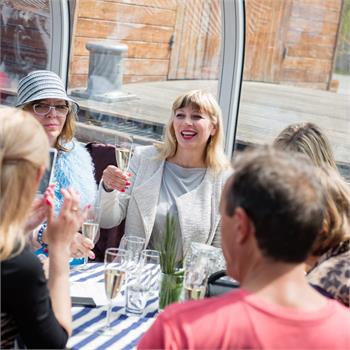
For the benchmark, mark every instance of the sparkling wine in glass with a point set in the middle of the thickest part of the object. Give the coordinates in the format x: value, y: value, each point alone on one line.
x: 91, y: 228
x: 115, y: 265
x: 124, y: 145
x: 196, y: 276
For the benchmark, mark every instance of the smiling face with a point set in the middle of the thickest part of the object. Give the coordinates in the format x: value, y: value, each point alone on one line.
x: 192, y: 128
x: 54, y: 120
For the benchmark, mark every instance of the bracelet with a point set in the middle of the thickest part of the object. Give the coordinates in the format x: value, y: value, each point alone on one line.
x: 40, y: 235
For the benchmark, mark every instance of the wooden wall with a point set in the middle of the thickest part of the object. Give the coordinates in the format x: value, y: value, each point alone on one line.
x: 146, y: 26
x: 287, y: 41
x: 292, y: 41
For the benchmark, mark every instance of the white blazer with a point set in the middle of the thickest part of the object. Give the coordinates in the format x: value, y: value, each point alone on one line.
x: 198, y: 210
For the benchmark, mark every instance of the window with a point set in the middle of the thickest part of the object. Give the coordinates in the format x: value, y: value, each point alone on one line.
x: 296, y: 69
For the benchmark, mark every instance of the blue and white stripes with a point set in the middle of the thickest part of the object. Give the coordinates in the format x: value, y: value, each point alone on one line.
x: 88, y: 322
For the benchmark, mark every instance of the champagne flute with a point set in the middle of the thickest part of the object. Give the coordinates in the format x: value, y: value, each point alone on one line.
x: 124, y: 146
x: 91, y: 228
x: 114, y: 273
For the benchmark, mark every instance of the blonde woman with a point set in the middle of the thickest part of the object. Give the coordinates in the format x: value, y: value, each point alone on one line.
x: 37, y: 311
x: 43, y: 94
x: 330, y: 259
x: 328, y: 267
x: 183, y: 176
x: 307, y: 138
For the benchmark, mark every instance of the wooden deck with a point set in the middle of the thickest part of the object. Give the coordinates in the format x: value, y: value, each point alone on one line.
x: 265, y: 109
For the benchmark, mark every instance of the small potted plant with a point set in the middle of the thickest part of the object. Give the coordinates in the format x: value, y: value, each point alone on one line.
x: 172, y: 272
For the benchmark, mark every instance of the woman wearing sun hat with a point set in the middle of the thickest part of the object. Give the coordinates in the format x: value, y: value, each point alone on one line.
x: 43, y: 94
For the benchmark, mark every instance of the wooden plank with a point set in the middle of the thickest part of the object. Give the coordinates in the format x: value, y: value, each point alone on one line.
x: 267, y: 25
x: 313, y: 64
x: 80, y: 80
x: 77, y: 81
x: 127, y: 31
x: 195, y: 54
x: 298, y: 37
x: 313, y: 27
x: 146, y: 66
x: 300, y: 9
x: 136, y: 49
x: 125, y: 13
x: 166, y: 4
x: 80, y: 65
x: 127, y: 79
x: 305, y: 75
x: 328, y: 5
x: 321, y: 52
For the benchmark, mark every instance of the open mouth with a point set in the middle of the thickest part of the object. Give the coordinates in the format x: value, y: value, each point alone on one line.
x: 188, y: 135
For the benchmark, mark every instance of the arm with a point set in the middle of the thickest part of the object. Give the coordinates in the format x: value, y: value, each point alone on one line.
x: 60, y: 232
x: 112, y: 212
x: 113, y: 206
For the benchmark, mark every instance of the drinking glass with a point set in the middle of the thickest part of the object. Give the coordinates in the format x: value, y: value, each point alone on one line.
x: 196, y: 276
x: 115, y: 264
x: 134, y: 245
x: 91, y: 228
x: 145, y: 284
x: 150, y: 260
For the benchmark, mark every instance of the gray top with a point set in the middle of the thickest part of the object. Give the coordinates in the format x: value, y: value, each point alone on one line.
x: 176, y: 181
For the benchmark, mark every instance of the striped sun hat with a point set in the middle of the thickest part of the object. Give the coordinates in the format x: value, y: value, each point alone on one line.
x: 39, y: 85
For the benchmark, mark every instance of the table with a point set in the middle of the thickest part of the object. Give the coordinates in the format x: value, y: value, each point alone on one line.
x: 87, y: 322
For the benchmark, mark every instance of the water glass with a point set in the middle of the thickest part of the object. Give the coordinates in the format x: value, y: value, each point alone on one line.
x: 134, y: 245
x: 144, y: 285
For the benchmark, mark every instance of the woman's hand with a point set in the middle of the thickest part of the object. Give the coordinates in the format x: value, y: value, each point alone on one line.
x: 38, y: 210
x: 61, y: 229
x: 81, y: 247
x: 114, y: 179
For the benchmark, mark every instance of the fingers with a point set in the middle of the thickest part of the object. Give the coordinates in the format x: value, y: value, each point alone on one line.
x: 71, y: 205
x: 114, y: 178
x: 81, y: 246
x: 87, y: 243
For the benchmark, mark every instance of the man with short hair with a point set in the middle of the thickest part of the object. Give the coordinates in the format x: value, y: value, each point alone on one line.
x: 272, y: 208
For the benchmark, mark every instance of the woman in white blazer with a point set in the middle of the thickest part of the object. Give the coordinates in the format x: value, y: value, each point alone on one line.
x: 183, y: 176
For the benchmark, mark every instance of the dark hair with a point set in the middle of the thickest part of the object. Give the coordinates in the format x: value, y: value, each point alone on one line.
x: 284, y: 199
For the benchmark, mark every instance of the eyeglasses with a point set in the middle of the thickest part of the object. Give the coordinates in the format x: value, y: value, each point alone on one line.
x: 43, y: 109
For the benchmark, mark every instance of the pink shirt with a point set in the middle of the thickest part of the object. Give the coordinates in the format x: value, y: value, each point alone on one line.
x: 239, y: 320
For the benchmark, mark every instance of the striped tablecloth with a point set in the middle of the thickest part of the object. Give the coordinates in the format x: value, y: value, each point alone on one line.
x: 88, y: 322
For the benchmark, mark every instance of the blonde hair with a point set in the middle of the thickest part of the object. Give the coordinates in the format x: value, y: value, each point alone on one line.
x: 203, y: 102
x: 23, y: 151
x: 68, y: 130
x: 307, y: 138
x: 336, y: 223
